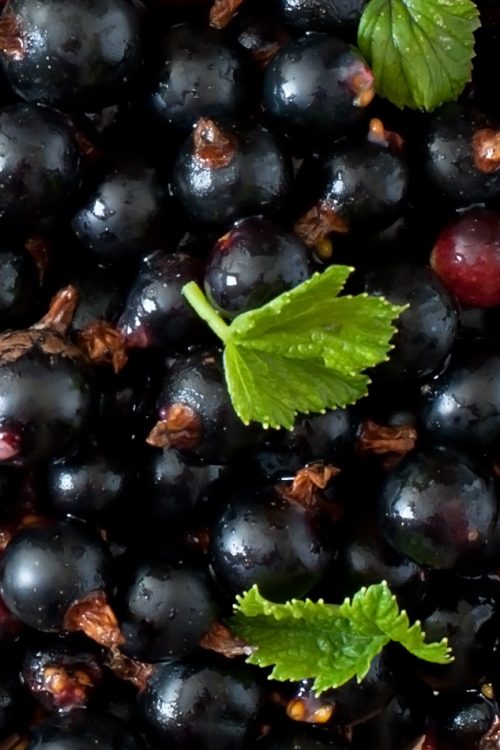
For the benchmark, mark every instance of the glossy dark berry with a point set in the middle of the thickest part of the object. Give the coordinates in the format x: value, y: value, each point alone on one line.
x: 253, y: 263
x: 460, y: 720
x: 468, y: 617
x: 164, y: 611
x: 155, y: 313
x: 200, y: 74
x: 462, y: 406
x: 62, y: 673
x: 77, y: 54
x: 45, y: 395
x: 354, y: 702
x: 426, y: 330
x: 438, y: 508
x: 87, y: 484
x: 39, y: 163
x: 461, y: 160
x: 321, y: 15
x: 399, y: 726
x: 317, y: 86
x: 466, y: 256
x: 328, y: 437
x: 48, y: 568
x: 364, y: 185
x: 177, y: 489
x: 261, y: 537
x: 195, y: 412
x: 222, y: 174
x: 19, y: 284
x: 200, y: 704
x: 81, y: 729
x: 101, y: 297
x: 127, y: 215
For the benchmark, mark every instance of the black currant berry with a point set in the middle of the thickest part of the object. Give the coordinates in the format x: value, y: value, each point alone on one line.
x: 201, y: 74
x: 317, y: 86
x: 438, y: 508
x: 39, y: 163
x: 321, y: 15
x: 80, y: 730
x: 253, y: 263
x: 222, y: 174
x: 77, y: 54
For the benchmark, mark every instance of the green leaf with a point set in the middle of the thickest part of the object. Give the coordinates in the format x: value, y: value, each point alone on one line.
x: 272, y: 389
x: 304, y: 351
x: 420, y: 51
x: 330, y: 643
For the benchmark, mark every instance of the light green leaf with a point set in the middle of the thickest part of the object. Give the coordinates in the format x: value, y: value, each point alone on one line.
x: 304, y: 351
x: 327, y: 642
x: 272, y: 389
x: 420, y: 51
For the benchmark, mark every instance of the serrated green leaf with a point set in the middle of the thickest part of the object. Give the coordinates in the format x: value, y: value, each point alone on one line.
x: 327, y: 642
x: 304, y: 351
x: 272, y: 389
x: 355, y: 334
x: 420, y: 51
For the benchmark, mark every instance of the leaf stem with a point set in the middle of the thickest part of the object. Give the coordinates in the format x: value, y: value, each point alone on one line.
x: 204, y: 309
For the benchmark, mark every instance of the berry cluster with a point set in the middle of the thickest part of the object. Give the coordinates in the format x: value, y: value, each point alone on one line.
x: 145, y: 145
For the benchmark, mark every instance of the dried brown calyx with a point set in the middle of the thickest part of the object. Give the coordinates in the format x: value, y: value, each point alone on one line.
x: 103, y: 344
x: 491, y: 740
x: 94, y: 617
x: 220, y: 639
x: 306, y: 484
x: 213, y: 147
x: 486, y: 150
x: 199, y: 540
x: 315, y: 226
x: 11, y: 36
x: 222, y: 12
x: 136, y: 672
x: 69, y: 686
x: 378, y: 134
x: 384, y: 440
x: 179, y: 427
x: 307, y: 708
x: 362, y: 84
x: 49, y: 334
x: 87, y: 148
x: 37, y: 248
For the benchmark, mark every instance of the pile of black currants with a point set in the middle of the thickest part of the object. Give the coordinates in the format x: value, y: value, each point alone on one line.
x: 241, y: 145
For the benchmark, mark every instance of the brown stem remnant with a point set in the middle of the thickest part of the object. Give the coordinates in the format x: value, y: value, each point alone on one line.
x: 309, y: 709
x: 61, y: 311
x: 220, y: 639
x: 96, y: 619
x: 37, y: 248
x: 136, y: 672
x: 11, y: 36
x: 222, y: 12
x: 384, y: 440
x: 307, y: 481
x: 491, y: 740
x: 179, y: 427
x: 362, y: 84
x: 386, y: 138
x: 486, y: 150
x: 320, y: 221
x: 103, y: 344
x: 213, y: 148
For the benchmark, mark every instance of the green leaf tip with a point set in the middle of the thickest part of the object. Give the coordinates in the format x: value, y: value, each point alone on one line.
x: 305, y: 351
x: 329, y: 643
x: 420, y: 51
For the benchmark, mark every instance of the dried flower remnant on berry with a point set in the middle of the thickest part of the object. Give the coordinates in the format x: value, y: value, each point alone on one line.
x: 179, y: 427
x: 222, y: 12
x: 486, y: 150
x: 213, y: 147
x: 94, y: 616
